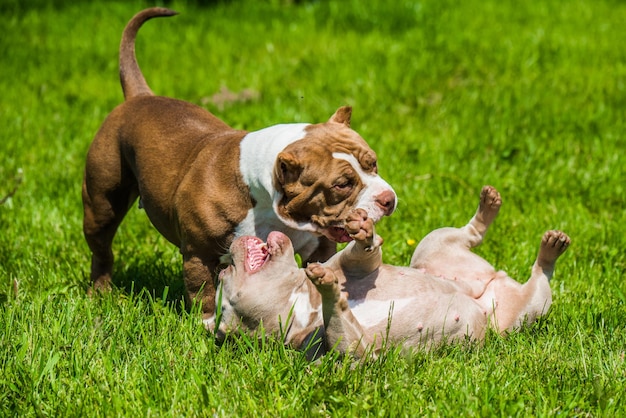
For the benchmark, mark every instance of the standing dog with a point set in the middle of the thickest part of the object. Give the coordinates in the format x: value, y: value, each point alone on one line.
x: 447, y: 293
x: 203, y: 183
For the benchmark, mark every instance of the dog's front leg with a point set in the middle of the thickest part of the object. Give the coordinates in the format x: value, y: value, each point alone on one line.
x: 343, y: 330
x: 199, y: 284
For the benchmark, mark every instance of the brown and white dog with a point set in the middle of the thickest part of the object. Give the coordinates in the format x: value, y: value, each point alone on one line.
x: 448, y: 292
x: 203, y: 183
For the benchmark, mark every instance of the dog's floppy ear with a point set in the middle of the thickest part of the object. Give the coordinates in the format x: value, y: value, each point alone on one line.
x: 287, y: 169
x: 342, y: 115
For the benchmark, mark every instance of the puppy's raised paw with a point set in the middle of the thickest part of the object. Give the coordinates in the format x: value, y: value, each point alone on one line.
x: 490, y: 203
x: 553, y: 245
x: 359, y: 225
x: 320, y: 276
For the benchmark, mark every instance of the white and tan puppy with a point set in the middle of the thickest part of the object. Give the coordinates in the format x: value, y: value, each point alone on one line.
x: 203, y: 183
x: 448, y: 292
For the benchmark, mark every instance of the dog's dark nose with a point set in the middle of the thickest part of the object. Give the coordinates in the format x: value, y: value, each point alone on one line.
x: 386, y: 201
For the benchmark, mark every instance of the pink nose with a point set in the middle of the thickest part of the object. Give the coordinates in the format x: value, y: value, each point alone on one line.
x: 386, y: 201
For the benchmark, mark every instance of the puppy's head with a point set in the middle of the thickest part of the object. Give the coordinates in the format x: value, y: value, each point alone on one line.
x: 326, y: 174
x: 259, y: 284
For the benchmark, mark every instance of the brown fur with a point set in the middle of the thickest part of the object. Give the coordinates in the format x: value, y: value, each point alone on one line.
x: 184, y: 164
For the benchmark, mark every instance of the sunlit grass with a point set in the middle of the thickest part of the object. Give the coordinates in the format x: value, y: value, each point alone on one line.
x: 526, y: 96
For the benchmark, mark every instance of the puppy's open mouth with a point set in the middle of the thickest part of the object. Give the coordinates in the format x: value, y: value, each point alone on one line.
x: 256, y: 254
x: 338, y: 234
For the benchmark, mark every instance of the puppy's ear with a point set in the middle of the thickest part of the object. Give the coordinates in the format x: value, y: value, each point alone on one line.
x: 342, y: 115
x: 287, y: 168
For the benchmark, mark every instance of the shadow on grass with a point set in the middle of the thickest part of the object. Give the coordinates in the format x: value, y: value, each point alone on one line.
x: 162, y: 281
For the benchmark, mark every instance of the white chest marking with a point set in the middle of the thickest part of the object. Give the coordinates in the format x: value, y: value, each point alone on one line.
x: 259, y: 151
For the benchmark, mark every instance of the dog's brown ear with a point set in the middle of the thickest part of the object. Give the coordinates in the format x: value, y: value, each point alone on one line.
x: 342, y: 115
x: 287, y: 169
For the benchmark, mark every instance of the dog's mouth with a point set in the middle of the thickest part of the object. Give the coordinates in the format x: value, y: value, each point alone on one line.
x: 332, y: 229
x: 337, y: 234
x: 257, y: 254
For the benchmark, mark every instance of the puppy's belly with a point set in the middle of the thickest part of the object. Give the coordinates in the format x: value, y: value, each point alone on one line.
x: 371, y: 312
x: 416, y: 320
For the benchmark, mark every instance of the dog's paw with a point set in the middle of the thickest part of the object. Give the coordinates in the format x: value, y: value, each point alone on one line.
x: 490, y: 203
x: 553, y: 245
x: 320, y: 276
x: 359, y: 225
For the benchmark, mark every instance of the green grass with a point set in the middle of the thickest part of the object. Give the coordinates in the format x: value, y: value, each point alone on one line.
x: 526, y: 96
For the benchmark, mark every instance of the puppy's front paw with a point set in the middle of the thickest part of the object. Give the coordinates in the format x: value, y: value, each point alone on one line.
x: 320, y: 276
x: 359, y: 225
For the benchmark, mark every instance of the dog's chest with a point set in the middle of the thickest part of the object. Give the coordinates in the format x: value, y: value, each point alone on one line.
x: 259, y: 151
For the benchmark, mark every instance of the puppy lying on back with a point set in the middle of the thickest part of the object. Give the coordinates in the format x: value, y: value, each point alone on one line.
x: 448, y: 292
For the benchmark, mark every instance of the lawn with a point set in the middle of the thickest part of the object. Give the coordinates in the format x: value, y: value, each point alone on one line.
x: 527, y: 96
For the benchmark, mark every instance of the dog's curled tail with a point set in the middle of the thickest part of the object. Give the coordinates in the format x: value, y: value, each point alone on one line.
x: 133, y: 82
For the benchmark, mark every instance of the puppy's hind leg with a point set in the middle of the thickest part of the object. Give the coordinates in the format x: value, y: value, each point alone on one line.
x: 445, y: 251
x: 488, y: 208
x: 106, y: 200
x: 553, y: 245
x: 517, y: 304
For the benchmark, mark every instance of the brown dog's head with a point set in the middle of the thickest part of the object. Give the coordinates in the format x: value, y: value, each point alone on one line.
x: 325, y: 175
x: 263, y: 284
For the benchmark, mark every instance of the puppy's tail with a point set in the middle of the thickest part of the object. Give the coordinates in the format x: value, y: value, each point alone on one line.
x: 133, y: 82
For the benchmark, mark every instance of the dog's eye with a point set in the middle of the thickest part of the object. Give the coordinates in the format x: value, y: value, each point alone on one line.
x: 343, y: 186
